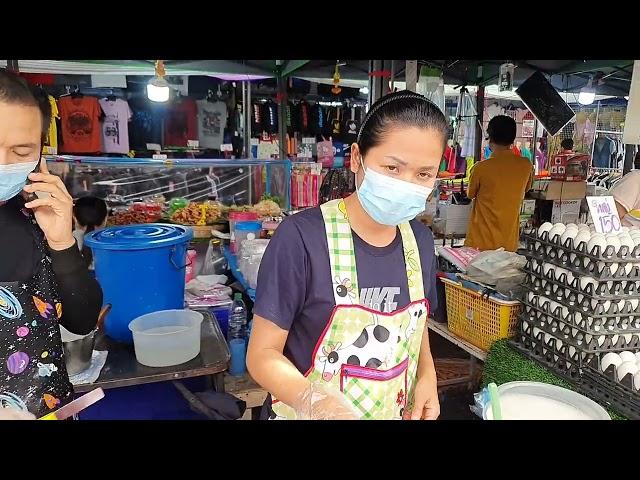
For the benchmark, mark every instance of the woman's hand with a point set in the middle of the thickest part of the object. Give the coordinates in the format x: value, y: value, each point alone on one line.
x: 426, y: 405
x: 54, y: 213
x: 9, y: 413
x: 320, y: 402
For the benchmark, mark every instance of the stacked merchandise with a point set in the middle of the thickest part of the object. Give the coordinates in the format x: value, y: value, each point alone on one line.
x: 582, y: 304
x: 305, y: 184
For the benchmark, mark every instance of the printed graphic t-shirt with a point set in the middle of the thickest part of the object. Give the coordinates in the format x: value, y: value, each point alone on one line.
x: 181, y: 124
x: 80, y: 118
x: 146, y: 123
x: 115, y: 127
x: 212, y: 118
x: 296, y: 289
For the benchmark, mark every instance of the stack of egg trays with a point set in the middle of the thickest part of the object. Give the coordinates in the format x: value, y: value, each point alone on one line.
x: 544, y: 349
x: 578, y: 260
x: 619, y: 393
x: 585, y: 309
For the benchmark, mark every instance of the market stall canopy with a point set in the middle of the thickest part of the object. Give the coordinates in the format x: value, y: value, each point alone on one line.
x: 565, y: 75
x: 225, y: 69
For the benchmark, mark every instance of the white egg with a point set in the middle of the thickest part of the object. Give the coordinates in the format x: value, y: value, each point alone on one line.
x: 546, y: 267
x: 628, y: 268
x: 636, y: 381
x: 584, y: 281
x: 545, y: 227
x: 610, y: 359
x: 626, y: 368
x: 628, y: 337
x: 582, y: 226
x: 613, y: 241
x: 637, y: 354
x: 568, y: 233
x: 601, y: 340
x: 530, y: 296
x: 636, y: 240
x: 577, y: 318
x: 559, y: 271
x: 621, y: 305
x: 627, y: 242
x: 565, y: 312
x: 627, y: 356
x: 613, y: 267
x: 596, y: 240
x: 572, y: 225
x: 634, y: 303
x: 582, y: 236
x: 557, y: 230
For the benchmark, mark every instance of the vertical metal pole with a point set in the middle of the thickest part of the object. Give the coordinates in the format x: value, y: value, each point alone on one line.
x: 595, y: 133
x: 247, y: 128
x: 477, y: 148
x: 282, y: 117
x: 534, y: 146
x: 392, y: 80
x: 245, y: 140
x: 411, y: 75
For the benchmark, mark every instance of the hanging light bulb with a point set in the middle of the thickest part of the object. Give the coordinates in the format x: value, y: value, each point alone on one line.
x: 158, y: 88
x: 587, y: 93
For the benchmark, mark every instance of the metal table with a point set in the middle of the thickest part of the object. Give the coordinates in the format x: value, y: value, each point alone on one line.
x: 123, y: 370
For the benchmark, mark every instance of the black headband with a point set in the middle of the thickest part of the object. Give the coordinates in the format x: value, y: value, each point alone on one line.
x: 391, y: 98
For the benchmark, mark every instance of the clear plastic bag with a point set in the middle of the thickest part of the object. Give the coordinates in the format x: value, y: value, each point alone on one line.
x: 214, y: 262
x: 320, y: 402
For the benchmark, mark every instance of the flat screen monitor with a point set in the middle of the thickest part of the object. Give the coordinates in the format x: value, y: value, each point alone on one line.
x: 545, y: 103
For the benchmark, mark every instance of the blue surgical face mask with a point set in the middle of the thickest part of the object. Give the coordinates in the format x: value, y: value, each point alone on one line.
x: 390, y: 201
x: 13, y: 178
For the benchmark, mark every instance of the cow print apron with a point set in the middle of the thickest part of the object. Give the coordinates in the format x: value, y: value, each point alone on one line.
x: 33, y: 375
x: 371, y: 357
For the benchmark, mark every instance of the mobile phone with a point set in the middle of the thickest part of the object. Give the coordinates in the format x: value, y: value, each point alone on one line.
x: 30, y: 197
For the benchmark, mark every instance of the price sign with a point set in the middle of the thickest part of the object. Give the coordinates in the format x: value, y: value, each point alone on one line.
x: 193, y: 143
x: 226, y: 147
x: 604, y: 214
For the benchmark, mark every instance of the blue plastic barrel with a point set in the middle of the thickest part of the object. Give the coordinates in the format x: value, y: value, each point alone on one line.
x: 141, y: 269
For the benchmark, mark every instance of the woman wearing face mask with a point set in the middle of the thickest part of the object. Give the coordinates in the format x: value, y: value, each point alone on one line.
x: 44, y: 281
x: 344, y: 290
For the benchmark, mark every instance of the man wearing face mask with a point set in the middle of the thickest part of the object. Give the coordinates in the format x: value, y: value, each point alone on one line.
x: 44, y: 281
x: 344, y: 290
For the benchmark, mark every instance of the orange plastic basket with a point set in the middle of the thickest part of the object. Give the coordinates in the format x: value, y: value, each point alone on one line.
x: 479, y: 320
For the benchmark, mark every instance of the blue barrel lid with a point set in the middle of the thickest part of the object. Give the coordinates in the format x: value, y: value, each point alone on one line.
x: 138, y: 237
x: 248, y: 226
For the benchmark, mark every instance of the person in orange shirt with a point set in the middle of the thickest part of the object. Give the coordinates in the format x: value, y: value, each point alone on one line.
x: 498, y: 186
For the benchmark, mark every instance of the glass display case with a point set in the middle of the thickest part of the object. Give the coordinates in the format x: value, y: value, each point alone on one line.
x: 123, y: 181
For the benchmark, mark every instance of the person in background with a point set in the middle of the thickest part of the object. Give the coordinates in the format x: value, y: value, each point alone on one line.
x: 44, y: 282
x: 89, y: 214
x: 566, y: 145
x: 344, y: 289
x: 626, y: 194
x: 498, y: 186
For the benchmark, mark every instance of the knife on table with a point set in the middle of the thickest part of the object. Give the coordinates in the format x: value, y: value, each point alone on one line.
x: 76, y: 406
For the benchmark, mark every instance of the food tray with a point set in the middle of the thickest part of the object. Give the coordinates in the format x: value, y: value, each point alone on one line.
x: 585, y: 306
x: 608, y: 255
x: 605, y: 290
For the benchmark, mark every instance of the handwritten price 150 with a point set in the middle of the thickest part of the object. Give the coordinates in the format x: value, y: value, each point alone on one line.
x: 610, y: 223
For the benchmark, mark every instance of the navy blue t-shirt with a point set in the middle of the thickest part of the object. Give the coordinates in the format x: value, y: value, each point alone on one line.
x: 295, y: 288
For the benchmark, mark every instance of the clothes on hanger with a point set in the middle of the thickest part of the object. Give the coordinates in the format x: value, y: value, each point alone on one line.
x: 181, y: 123
x: 603, y: 149
x: 80, y: 122
x: 115, y: 126
x: 212, y: 120
x: 52, y: 134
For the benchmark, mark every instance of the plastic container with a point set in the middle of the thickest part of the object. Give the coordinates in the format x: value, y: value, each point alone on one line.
x: 479, y: 320
x: 221, y: 315
x: 234, y: 218
x: 166, y: 338
x: 246, y: 231
x: 141, y: 269
x: 237, y: 336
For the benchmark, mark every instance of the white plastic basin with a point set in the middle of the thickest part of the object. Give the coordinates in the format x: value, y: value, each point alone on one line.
x: 167, y: 337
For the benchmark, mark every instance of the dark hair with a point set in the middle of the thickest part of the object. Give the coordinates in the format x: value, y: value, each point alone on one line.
x: 403, y: 108
x: 15, y: 90
x: 90, y: 212
x: 567, y: 144
x: 502, y: 130
x: 636, y: 161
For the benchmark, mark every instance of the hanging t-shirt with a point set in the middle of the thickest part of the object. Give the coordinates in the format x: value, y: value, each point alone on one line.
x: 52, y: 135
x: 351, y: 128
x: 146, y: 123
x: 212, y: 119
x: 115, y: 127
x: 180, y: 125
x: 80, y: 118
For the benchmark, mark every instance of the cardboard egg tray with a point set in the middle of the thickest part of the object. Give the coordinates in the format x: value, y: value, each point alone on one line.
x: 581, y: 264
x: 604, y: 290
x: 597, y: 254
x: 624, y: 315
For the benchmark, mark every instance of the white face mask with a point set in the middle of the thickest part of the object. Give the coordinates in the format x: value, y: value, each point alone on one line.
x: 390, y: 201
x: 13, y: 178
